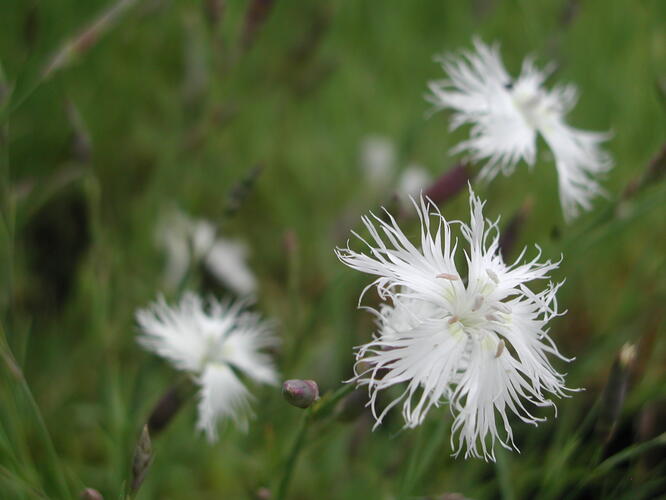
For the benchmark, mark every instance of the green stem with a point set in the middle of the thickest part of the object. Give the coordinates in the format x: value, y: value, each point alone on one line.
x: 319, y: 410
x: 325, y: 405
x: 293, y: 456
x: 504, y: 475
x: 422, y: 456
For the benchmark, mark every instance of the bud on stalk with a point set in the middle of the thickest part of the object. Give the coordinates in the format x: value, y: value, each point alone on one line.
x: 300, y: 393
x: 449, y: 184
x: 143, y: 456
x: 612, y: 399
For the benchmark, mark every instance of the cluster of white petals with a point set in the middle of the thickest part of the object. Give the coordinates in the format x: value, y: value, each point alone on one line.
x: 215, y: 342
x: 187, y: 241
x: 507, y: 115
x: 477, y: 341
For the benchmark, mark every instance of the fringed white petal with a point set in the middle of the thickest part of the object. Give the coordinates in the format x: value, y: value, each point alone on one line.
x: 222, y: 396
x: 227, y: 261
x: 211, y: 340
x: 506, y: 116
x: 579, y: 160
x: 187, y: 241
x: 479, y: 343
x: 242, y: 348
x: 179, y: 334
x: 400, y: 263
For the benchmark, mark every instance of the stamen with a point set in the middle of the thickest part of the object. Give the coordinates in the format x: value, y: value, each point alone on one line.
x: 492, y: 275
x: 453, y: 319
x: 491, y: 317
x: 478, y: 302
x: 500, y: 348
x: 447, y: 276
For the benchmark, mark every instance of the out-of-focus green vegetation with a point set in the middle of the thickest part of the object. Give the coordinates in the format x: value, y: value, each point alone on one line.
x: 173, y: 102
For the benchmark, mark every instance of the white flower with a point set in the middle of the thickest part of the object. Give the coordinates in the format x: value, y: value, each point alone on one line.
x: 477, y: 341
x: 378, y: 161
x: 506, y: 116
x: 214, y: 342
x: 379, y: 166
x: 188, y: 241
x: 412, y: 181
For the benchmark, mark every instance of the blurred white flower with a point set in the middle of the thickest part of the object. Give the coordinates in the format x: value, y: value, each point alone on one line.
x: 215, y: 342
x: 506, y: 116
x: 412, y: 182
x: 379, y: 166
x: 478, y: 342
x: 188, y: 241
x: 378, y: 160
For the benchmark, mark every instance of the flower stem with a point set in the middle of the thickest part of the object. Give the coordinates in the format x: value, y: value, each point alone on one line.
x: 504, y: 475
x: 325, y: 405
x: 293, y: 455
x: 319, y: 410
x: 421, y: 457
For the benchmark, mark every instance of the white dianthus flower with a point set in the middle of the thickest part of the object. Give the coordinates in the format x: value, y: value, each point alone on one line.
x: 413, y: 180
x: 215, y: 342
x: 188, y: 241
x: 478, y: 342
x: 506, y: 116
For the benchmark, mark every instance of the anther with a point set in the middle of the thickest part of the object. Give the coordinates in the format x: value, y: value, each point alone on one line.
x: 453, y: 319
x: 491, y: 317
x: 492, y: 275
x: 478, y: 302
x: 500, y: 348
x: 447, y: 276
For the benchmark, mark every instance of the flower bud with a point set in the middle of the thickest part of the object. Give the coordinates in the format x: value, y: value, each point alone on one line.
x: 449, y: 184
x: 512, y: 230
x: 91, y: 494
x: 300, y: 393
x: 263, y: 494
x: 614, y: 394
x: 627, y: 355
x: 143, y: 457
x: 165, y: 409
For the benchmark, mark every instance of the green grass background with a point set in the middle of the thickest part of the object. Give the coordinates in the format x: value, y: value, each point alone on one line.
x: 317, y: 79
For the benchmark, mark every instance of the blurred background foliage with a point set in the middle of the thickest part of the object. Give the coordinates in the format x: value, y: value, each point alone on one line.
x: 113, y: 112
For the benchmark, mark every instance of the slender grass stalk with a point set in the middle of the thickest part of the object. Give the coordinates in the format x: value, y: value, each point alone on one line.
x: 627, y: 454
x: 611, y: 462
x: 54, y: 461
x: 422, y: 455
x: 7, y: 212
x: 71, y: 49
x: 10, y: 478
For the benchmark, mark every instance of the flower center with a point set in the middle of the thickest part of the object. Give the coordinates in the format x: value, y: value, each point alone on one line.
x: 216, y: 351
x: 476, y: 312
x: 534, y: 104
